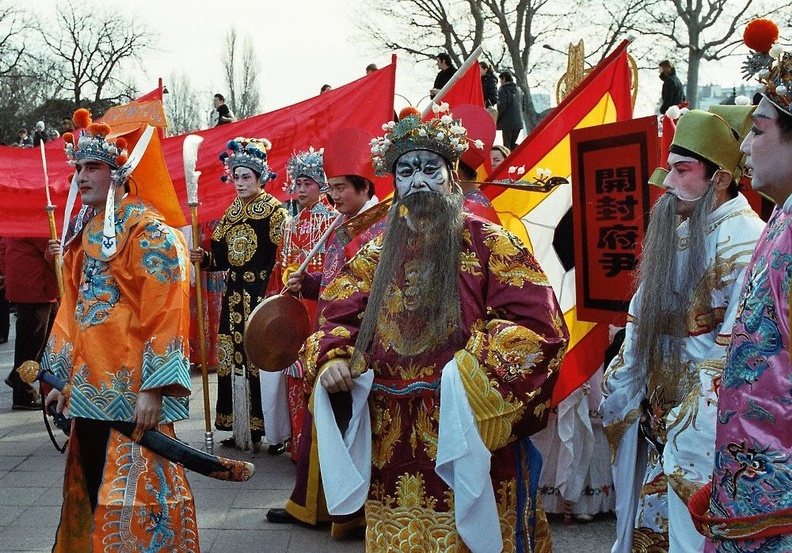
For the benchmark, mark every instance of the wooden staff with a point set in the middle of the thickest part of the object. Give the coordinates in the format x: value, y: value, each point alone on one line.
x: 50, y: 209
x: 190, y: 155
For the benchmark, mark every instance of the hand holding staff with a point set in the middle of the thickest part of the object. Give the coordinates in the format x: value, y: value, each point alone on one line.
x: 50, y: 209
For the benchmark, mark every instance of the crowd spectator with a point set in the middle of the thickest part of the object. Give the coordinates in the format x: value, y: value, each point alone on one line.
x: 40, y: 135
x: 31, y: 285
x: 5, y: 311
x: 510, y: 115
x: 489, y: 85
x: 673, y: 92
x: 446, y: 70
x: 222, y: 113
x: 498, y: 154
x: 24, y: 141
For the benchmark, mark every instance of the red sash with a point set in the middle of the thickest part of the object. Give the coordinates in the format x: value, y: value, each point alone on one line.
x: 764, y: 525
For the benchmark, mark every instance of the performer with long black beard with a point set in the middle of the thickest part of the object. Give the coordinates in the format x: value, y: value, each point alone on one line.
x: 446, y: 300
x: 662, y: 385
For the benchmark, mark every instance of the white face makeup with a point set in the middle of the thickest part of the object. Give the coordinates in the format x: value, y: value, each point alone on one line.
x: 768, y: 154
x: 246, y: 183
x: 421, y: 171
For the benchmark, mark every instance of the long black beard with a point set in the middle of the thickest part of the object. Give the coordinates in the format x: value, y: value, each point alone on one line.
x: 669, y: 282
x: 435, y: 241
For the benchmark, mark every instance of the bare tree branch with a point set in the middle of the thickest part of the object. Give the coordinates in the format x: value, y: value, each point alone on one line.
x: 90, y: 43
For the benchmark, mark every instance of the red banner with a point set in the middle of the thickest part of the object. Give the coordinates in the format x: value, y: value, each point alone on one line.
x: 366, y: 103
x: 611, y: 164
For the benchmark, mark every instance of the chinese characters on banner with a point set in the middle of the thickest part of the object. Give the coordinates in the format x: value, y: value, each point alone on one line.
x: 611, y: 165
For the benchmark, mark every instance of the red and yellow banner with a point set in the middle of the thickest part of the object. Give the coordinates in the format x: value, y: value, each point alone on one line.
x: 544, y: 220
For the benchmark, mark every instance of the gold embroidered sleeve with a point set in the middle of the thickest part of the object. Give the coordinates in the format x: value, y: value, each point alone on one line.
x: 508, y: 372
x: 277, y: 221
x: 494, y: 414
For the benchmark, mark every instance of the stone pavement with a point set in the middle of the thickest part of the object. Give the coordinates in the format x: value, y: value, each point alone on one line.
x: 230, y: 515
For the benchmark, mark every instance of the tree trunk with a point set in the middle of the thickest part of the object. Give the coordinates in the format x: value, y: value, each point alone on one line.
x: 691, y: 87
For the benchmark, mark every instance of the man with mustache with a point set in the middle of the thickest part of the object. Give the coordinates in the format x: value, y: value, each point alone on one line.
x: 748, y: 507
x: 661, y: 386
x: 443, y: 294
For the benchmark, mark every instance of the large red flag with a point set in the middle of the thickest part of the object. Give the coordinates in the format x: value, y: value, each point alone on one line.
x: 366, y: 103
x: 543, y: 220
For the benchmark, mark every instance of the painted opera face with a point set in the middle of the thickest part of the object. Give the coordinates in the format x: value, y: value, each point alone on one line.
x: 422, y: 171
x: 246, y: 183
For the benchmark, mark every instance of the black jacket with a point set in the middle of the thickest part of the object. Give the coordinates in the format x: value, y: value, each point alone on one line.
x: 443, y: 77
x: 489, y: 86
x: 510, y: 116
x: 673, y: 91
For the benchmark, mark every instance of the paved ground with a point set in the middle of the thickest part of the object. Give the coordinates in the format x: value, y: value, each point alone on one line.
x: 230, y: 515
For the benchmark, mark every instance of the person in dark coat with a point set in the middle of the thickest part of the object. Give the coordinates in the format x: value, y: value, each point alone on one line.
x: 489, y: 85
x: 447, y: 70
x: 510, y: 116
x: 673, y: 91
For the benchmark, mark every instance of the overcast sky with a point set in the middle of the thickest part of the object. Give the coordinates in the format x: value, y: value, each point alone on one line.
x: 301, y: 45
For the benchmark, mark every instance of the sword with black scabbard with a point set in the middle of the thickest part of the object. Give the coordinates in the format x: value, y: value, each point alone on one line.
x: 220, y: 468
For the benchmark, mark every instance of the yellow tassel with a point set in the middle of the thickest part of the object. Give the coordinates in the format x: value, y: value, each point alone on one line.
x: 403, y: 211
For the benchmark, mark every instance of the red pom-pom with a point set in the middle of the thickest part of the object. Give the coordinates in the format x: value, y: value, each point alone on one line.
x: 760, y: 35
x: 81, y: 118
x: 121, y: 159
x: 408, y: 111
x: 68, y: 138
x: 121, y: 143
x: 101, y: 129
